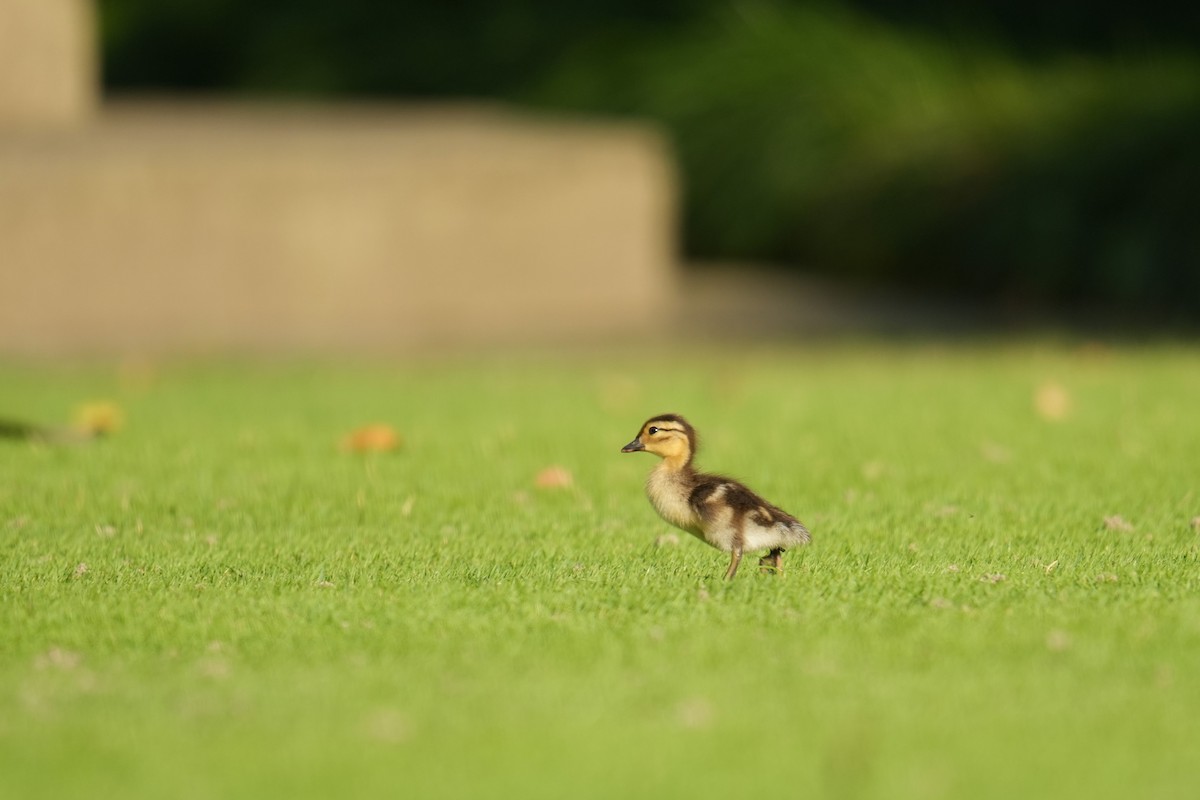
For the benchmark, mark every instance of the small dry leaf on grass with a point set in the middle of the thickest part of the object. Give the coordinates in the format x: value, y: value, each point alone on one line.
x: 374, y: 438
x: 215, y: 668
x: 667, y: 540
x: 81, y: 569
x: 58, y: 658
x: 98, y: 418
x: 694, y: 713
x: 1057, y: 641
x: 1052, y: 401
x: 1117, y: 523
x: 387, y: 725
x: 995, y: 577
x: 995, y: 453
x: 1196, y: 524
x: 1106, y: 577
x: 873, y: 470
x: 553, y: 477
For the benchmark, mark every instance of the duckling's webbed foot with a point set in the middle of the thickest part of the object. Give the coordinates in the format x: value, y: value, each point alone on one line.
x: 772, y: 561
x: 735, y: 559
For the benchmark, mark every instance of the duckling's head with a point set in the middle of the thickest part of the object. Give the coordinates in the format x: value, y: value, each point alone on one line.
x: 667, y: 435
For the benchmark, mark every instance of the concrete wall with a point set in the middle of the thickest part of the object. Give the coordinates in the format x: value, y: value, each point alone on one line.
x: 184, y: 228
x: 48, y: 74
x: 163, y: 228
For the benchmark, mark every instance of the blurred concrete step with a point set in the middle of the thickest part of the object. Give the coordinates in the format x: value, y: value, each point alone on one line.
x: 166, y: 227
x: 48, y: 72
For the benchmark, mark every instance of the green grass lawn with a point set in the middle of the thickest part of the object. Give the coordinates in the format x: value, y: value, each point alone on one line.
x: 216, y: 601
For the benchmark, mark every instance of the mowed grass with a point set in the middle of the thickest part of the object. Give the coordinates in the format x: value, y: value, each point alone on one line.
x: 218, y: 602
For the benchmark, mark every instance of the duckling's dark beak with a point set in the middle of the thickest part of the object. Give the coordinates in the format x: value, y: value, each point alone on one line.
x: 633, y: 447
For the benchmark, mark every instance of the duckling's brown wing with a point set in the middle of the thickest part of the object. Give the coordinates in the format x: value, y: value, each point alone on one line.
x: 707, y: 492
x: 717, y: 491
x: 716, y: 498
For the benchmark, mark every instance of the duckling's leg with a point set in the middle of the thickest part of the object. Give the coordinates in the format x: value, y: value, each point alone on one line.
x: 734, y: 560
x: 772, y: 561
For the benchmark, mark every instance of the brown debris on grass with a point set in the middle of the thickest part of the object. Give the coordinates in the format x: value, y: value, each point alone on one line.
x: 694, y: 713
x: 995, y: 453
x: 58, y: 658
x: 1052, y: 401
x: 554, y: 477
x: 1057, y: 641
x: 98, y: 418
x: 374, y: 438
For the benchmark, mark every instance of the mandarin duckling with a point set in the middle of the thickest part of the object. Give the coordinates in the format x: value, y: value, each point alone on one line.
x: 716, y: 509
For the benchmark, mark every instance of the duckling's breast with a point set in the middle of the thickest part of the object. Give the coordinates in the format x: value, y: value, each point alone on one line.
x: 669, y: 492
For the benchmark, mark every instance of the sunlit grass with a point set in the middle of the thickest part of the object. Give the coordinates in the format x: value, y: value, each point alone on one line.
x: 219, y: 600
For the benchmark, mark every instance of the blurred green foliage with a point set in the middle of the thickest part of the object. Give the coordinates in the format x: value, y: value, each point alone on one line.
x: 830, y: 140
x: 1018, y: 151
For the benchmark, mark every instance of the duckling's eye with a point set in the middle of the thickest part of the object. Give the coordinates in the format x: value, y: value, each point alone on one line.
x: 652, y: 430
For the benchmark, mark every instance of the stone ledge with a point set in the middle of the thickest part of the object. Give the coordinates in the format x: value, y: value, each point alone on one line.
x: 168, y: 227
x: 48, y: 72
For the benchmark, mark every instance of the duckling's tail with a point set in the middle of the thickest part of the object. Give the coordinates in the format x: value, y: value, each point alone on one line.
x: 798, y: 534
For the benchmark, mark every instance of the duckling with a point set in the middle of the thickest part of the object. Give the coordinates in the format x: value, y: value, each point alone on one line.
x: 716, y: 509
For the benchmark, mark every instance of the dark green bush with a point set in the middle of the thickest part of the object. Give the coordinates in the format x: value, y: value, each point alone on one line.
x: 828, y: 140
